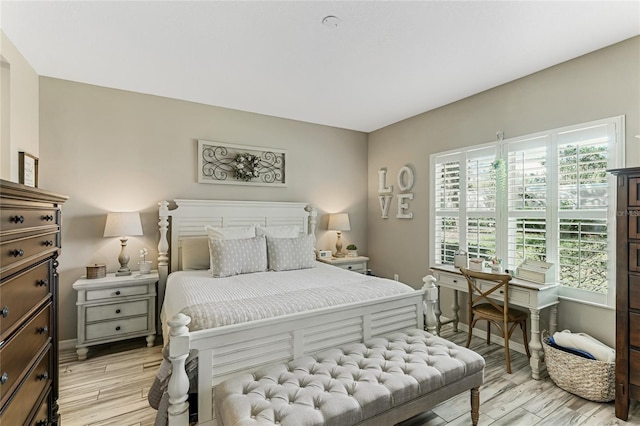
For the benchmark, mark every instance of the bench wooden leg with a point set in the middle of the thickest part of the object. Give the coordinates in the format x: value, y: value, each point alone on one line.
x: 475, y: 405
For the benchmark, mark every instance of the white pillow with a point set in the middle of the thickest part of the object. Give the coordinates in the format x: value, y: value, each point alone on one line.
x: 231, y: 232
x: 237, y: 256
x: 195, y: 253
x: 286, y: 254
x: 292, y: 231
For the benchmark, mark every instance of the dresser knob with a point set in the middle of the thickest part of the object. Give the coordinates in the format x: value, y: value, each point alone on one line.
x: 42, y: 330
x: 47, y: 243
x: 42, y: 283
x: 17, y: 253
x: 42, y: 423
x: 43, y: 376
x: 48, y: 217
x: 118, y: 293
x: 118, y: 311
x: 17, y: 219
x: 5, y: 312
x: 118, y: 328
x: 4, y: 378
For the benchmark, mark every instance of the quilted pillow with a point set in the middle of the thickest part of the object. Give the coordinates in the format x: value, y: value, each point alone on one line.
x: 231, y: 232
x: 239, y: 256
x: 286, y: 254
x: 279, y: 231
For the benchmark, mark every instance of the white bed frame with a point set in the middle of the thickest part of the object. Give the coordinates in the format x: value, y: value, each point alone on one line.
x: 227, y: 351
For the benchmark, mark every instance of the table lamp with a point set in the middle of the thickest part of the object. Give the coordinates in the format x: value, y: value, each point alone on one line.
x: 123, y: 225
x: 339, y: 222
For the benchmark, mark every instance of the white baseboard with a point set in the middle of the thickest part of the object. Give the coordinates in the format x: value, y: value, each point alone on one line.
x: 67, y: 345
x: 482, y: 334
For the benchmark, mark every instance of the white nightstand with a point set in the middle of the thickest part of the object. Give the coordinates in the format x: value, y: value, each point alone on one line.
x: 115, y: 308
x: 356, y: 264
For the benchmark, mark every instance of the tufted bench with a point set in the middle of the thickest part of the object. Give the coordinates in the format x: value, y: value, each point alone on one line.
x: 379, y: 382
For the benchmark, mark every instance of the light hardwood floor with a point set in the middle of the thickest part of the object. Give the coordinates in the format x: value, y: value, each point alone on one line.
x: 110, y: 388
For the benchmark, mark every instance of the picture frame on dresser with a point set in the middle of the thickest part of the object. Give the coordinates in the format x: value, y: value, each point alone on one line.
x: 28, y: 169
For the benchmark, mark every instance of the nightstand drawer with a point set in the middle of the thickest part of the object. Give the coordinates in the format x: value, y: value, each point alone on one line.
x: 356, y: 267
x: 116, y: 328
x: 110, y: 293
x: 117, y: 310
x: 457, y: 282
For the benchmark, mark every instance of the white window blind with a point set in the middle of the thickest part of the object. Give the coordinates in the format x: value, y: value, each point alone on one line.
x: 545, y: 196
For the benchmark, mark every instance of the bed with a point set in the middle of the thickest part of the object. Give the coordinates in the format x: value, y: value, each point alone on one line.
x: 266, y: 332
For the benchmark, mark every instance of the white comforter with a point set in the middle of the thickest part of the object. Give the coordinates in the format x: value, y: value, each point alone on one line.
x: 214, y: 302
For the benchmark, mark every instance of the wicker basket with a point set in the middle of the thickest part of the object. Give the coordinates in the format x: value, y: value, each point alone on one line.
x: 590, y: 379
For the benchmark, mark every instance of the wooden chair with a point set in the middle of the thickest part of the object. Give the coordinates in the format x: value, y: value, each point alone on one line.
x: 483, y: 307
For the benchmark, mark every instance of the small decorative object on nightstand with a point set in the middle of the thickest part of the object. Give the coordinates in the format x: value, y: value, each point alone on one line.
x: 355, y: 264
x: 352, y: 250
x: 115, y: 308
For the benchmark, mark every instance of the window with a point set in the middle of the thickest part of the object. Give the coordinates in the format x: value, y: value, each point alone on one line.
x: 542, y: 197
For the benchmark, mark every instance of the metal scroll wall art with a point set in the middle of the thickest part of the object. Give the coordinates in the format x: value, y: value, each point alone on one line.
x: 240, y: 164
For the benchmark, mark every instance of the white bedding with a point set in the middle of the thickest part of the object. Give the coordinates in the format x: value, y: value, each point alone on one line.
x: 213, y: 302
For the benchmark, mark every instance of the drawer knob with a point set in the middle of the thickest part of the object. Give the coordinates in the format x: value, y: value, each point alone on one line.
x: 118, y: 293
x: 43, y: 376
x: 118, y: 328
x: 47, y: 243
x: 455, y: 281
x: 17, y: 252
x: 5, y: 312
x: 118, y: 311
x: 48, y: 217
x: 42, y: 330
x: 350, y: 267
x: 17, y: 219
x: 42, y: 283
x: 42, y: 422
x: 4, y: 378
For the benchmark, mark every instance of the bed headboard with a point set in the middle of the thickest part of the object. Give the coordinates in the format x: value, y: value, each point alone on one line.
x: 189, y: 218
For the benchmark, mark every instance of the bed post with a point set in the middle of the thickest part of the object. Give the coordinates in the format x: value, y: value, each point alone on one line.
x: 163, y: 250
x: 313, y: 214
x: 430, y: 300
x: 178, y: 388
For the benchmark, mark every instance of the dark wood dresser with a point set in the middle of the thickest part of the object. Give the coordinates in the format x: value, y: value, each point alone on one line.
x: 627, y: 290
x: 30, y: 221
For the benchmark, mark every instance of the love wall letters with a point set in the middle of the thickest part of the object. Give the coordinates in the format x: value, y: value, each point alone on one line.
x: 405, y: 182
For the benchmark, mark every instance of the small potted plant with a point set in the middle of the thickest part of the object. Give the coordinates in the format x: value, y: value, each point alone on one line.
x: 144, y: 264
x: 352, y: 250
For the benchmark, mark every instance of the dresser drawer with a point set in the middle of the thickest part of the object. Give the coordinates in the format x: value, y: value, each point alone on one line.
x: 634, y: 224
x: 634, y: 291
x: 634, y: 367
x: 42, y: 415
x: 634, y: 257
x: 115, y: 292
x: 21, y: 349
x: 17, y: 219
x: 117, y: 310
x: 21, y: 294
x: 107, y: 329
x: 19, y: 249
x: 634, y: 191
x: 17, y: 412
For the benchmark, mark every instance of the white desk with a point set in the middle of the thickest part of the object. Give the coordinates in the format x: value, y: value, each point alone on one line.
x: 522, y: 293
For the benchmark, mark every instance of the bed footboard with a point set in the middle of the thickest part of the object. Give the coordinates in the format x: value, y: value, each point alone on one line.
x: 228, y: 351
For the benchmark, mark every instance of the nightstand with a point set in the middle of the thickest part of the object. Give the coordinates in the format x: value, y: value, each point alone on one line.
x: 115, y: 308
x: 355, y: 264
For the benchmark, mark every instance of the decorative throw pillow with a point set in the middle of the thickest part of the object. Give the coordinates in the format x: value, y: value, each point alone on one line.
x: 231, y: 232
x: 195, y: 253
x: 290, y: 253
x: 292, y: 231
x: 237, y: 256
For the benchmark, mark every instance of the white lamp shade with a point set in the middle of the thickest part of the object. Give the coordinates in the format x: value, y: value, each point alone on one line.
x: 123, y: 224
x: 339, y: 222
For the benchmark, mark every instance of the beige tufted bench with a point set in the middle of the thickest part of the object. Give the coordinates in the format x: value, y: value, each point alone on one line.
x: 379, y: 382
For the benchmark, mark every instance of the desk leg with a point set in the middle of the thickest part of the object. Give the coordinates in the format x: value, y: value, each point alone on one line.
x: 553, y: 319
x: 456, y: 309
x: 438, y: 312
x: 535, y: 344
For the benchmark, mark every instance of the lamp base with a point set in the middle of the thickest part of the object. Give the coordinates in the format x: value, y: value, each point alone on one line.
x: 123, y: 273
x: 339, y: 254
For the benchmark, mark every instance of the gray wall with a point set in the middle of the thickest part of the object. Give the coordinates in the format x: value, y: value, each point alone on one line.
x: 601, y: 84
x: 113, y: 150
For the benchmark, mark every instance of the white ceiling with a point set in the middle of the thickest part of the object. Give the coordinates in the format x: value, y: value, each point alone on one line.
x: 384, y: 62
